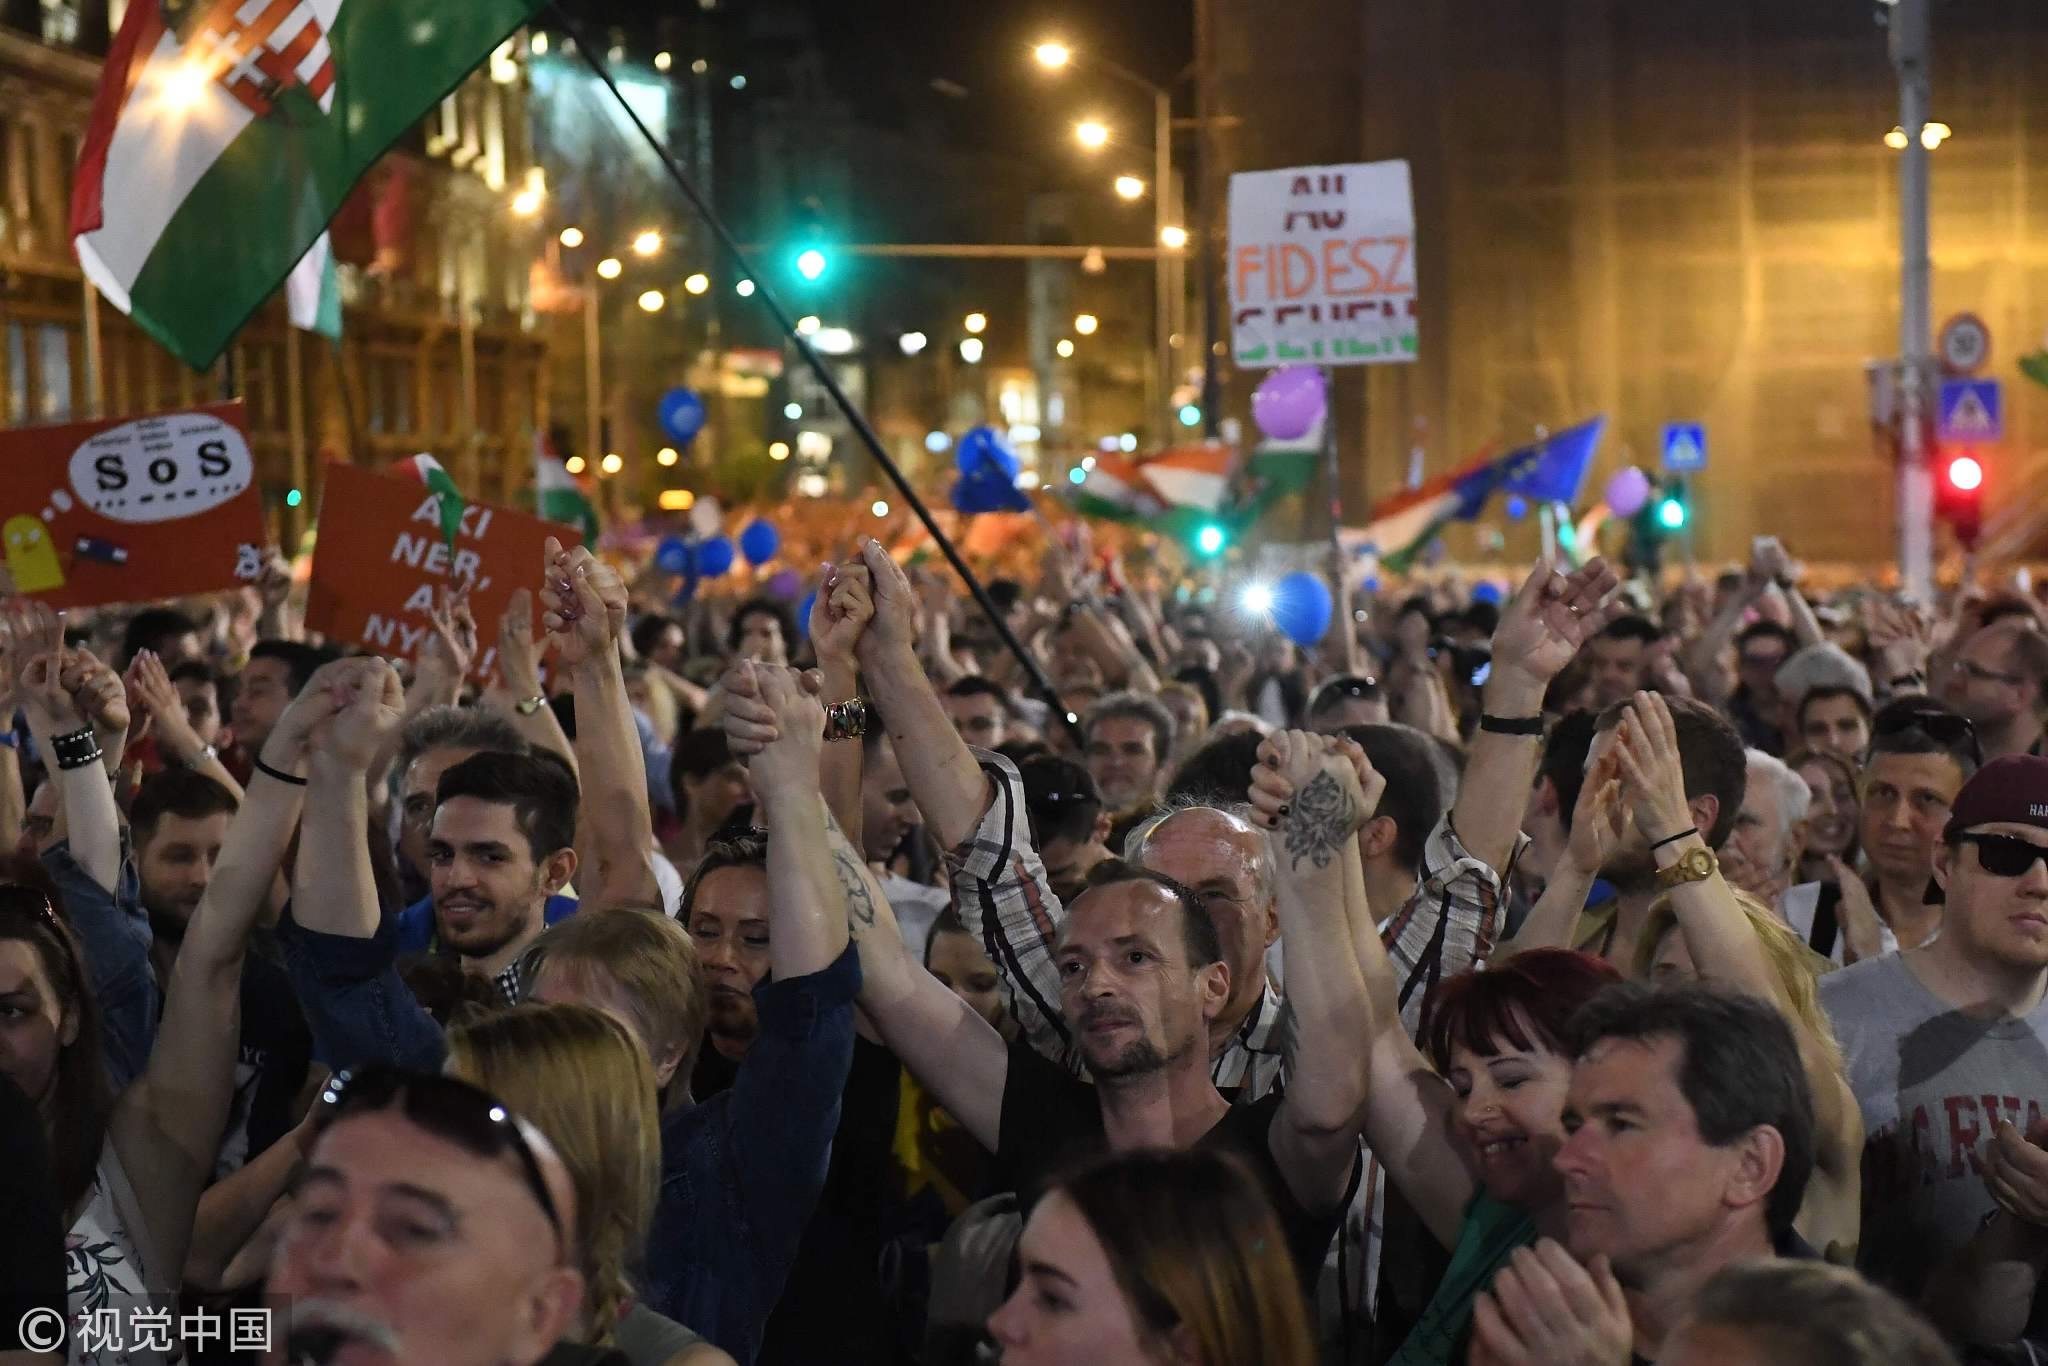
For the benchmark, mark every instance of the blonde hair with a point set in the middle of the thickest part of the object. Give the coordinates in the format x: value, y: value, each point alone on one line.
x: 652, y: 962
x: 582, y: 1080
x: 1798, y: 968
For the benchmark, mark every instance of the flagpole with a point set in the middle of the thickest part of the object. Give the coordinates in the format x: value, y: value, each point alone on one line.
x: 854, y: 417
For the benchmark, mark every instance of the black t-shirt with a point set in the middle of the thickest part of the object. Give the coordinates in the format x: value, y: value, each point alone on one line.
x: 276, y: 1049
x: 1050, y: 1119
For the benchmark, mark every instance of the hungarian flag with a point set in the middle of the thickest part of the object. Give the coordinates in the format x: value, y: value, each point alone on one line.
x: 424, y: 469
x: 556, y: 494
x: 227, y: 132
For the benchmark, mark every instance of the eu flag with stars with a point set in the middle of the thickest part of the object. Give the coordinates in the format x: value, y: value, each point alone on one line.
x: 1551, y: 470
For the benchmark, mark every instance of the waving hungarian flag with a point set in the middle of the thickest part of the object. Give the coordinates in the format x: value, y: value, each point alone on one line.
x: 226, y: 133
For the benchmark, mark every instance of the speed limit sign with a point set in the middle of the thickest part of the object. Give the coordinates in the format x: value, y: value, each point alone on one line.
x: 1965, y: 344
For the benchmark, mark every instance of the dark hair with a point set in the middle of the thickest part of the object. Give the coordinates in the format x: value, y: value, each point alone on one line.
x: 2002, y: 606
x: 1004, y: 593
x: 451, y: 727
x: 1141, y: 706
x: 1710, y: 754
x: 1759, y: 630
x: 1204, y: 682
x: 1527, y: 1000
x: 696, y: 754
x: 647, y: 631
x: 1017, y: 751
x: 301, y: 661
x: 1564, y: 760
x: 1334, y: 692
x: 176, y: 792
x: 1632, y: 627
x: 1203, y: 944
x: 541, y: 794
x: 948, y: 922
x: 1414, y: 799
x: 975, y: 685
x: 749, y: 850
x: 755, y: 607
x: 1738, y: 1068
x: 1829, y: 693
x: 1920, y: 725
x: 197, y: 671
x: 1483, y: 617
x: 1220, y: 772
x: 1060, y: 798
x: 149, y: 627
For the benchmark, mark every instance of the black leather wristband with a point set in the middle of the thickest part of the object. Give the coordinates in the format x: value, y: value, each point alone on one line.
x: 1512, y: 725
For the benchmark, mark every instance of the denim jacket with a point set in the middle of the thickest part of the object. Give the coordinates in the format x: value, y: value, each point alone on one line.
x: 113, y: 931
x: 740, y: 1173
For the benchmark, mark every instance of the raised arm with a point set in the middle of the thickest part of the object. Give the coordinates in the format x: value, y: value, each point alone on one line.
x: 54, y: 711
x: 443, y: 661
x: 840, y: 612
x: 1309, y: 792
x: 583, y: 604
x: 518, y: 682
x: 334, y: 889
x: 1600, y: 822
x: 158, y: 697
x: 277, y: 620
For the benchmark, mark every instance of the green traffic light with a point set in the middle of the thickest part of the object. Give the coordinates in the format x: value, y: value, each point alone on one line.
x: 1671, y: 514
x: 811, y: 263
x: 291, y: 500
x: 1190, y: 415
x: 1209, y: 540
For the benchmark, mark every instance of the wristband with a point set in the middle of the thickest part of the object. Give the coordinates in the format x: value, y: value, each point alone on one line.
x: 294, y: 779
x: 1511, y: 725
x: 76, y: 750
x: 846, y: 720
x: 1684, y: 834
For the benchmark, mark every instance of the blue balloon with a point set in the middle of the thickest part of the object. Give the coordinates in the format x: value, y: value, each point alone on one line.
x: 1518, y: 508
x: 980, y: 448
x: 1302, y: 607
x: 672, y: 556
x: 1487, y: 591
x: 803, y: 612
x: 759, y: 541
x: 681, y: 414
x: 714, y: 556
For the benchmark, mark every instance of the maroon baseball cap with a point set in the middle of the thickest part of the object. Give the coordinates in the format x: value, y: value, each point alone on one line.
x: 2012, y: 790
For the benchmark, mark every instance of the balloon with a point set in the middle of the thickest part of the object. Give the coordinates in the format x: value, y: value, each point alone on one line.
x: 1486, y: 590
x: 1288, y: 402
x: 785, y: 584
x: 1627, y: 491
x: 672, y: 556
x: 979, y: 448
x: 1518, y: 508
x: 803, y: 610
x: 705, y: 515
x: 1301, y: 607
x: 681, y: 415
x: 760, y: 541
x: 714, y: 556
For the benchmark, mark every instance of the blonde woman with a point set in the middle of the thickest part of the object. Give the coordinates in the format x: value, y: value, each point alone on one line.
x: 579, y: 1076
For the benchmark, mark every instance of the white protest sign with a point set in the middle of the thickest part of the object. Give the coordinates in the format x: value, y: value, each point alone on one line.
x: 1322, y: 265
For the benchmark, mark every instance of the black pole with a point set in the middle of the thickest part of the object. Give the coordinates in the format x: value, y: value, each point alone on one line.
x: 857, y: 419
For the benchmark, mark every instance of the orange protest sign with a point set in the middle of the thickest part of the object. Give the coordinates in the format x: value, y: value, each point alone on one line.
x: 380, y: 559
x: 131, y: 508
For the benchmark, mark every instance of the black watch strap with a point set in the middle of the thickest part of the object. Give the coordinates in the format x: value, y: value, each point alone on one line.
x: 1512, y: 725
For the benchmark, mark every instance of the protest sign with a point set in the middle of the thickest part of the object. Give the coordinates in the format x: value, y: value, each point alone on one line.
x: 130, y: 509
x: 1322, y: 265
x: 381, y: 558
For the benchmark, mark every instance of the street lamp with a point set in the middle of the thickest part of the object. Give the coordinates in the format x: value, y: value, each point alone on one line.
x: 912, y: 342
x: 527, y: 202
x: 647, y: 243
x: 662, y: 61
x: 572, y: 237
x: 809, y: 324
x: 652, y: 300
x: 1092, y: 134
x: 745, y: 289
x: 1173, y: 237
x: 667, y: 455
x: 1086, y: 323
x: 613, y: 463
x: 971, y: 350
x: 778, y: 450
x: 574, y: 464
x: 1065, y: 347
x: 1052, y: 56
x: 609, y: 268
x: 698, y: 283
x: 976, y: 323
x: 1129, y: 187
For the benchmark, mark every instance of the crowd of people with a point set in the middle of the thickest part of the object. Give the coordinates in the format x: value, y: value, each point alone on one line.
x: 1579, y: 973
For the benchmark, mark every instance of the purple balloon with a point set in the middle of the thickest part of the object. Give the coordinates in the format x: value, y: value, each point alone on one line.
x: 1288, y: 402
x: 1627, y: 491
x: 786, y: 584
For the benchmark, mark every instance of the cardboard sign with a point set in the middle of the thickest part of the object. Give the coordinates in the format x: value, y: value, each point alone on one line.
x: 1322, y: 265
x: 380, y: 561
x: 130, y: 509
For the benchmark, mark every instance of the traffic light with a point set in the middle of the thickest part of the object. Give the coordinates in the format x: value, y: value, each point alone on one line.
x: 812, y: 263
x: 1210, y: 539
x: 1671, y: 512
x: 1959, y: 497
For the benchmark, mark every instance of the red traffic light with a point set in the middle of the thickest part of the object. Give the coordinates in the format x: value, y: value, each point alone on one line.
x: 1965, y: 474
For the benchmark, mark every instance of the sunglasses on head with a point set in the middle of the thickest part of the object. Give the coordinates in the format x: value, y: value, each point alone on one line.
x: 1945, y: 728
x: 450, y: 1109
x: 2005, y: 855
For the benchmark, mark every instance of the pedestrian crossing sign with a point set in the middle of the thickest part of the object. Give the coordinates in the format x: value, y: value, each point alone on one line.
x: 1970, y: 411
x: 1685, y: 447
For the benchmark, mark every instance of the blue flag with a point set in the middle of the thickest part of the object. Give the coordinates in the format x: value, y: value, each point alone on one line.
x: 1551, y: 470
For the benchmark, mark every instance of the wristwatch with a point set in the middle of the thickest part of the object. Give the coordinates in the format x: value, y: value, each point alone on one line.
x: 527, y: 706
x: 1697, y: 866
x: 203, y: 757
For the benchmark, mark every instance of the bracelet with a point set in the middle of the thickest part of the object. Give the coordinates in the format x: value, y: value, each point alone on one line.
x: 846, y: 720
x: 1511, y: 725
x: 294, y: 779
x: 76, y: 750
x: 1684, y: 834
x: 202, y: 758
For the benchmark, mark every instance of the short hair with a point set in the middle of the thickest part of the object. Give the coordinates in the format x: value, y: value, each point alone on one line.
x: 1761, y: 630
x: 756, y: 607
x: 1906, y: 725
x: 1564, y: 760
x: 1204, y: 682
x: 1631, y: 627
x: 1219, y: 773
x: 1794, y: 797
x: 1060, y: 798
x: 1739, y: 1067
x: 1808, y: 1313
x: 1334, y: 692
x: 2029, y: 652
x: 149, y: 626
x: 176, y: 792
x: 1828, y: 694
x: 1527, y: 1001
x: 1710, y: 754
x: 2005, y: 606
x: 196, y: 671
x: 975, y: 685
x: 1004, y: 593
x: 542, y: 795
x: 301, y: 661
x: 1414, y: 795
x: 1203, y: 943
x: 745, y: 850
x: 648, y: 630
x: 1139, y: 706
x: 452, y: 727
x: 695, y: 754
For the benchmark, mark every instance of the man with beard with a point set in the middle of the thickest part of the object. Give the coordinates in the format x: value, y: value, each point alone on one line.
x: 179, y: 820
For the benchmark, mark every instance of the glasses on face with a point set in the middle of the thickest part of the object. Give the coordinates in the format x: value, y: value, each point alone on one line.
x: 2005, y: 855
x: 454, y: 1110
x: 1944, y: 727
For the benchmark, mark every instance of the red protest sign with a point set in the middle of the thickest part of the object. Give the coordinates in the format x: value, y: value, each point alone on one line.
x: 380, y: 558
x: 131, y: 508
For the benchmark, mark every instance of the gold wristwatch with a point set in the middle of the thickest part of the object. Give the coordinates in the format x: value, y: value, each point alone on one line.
x: 1697, y: 866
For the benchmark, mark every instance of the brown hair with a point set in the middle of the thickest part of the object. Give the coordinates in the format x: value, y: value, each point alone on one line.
x: 1523, y: 1001
x: 1813, y: 1314
x: 585, y: 1083
x: 1710, y: 754
x: 652, y: 961
x: 1195, y: 1247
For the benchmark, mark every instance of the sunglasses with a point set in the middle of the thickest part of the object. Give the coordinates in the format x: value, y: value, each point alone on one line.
x: 450, y: 1109
x: 1945, y: 728
x: 2005, y: 855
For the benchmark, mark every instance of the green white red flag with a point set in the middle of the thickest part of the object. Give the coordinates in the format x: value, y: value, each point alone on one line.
x: 556, y: 494
x: 225, y: 136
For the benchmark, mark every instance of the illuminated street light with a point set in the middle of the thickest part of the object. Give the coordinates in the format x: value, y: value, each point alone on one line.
x: 1086, y: 324
x: 778, y: 450
x: 698, y: 283
x: 1065, y: 347
x: 913, y: 342
x: 1129, y: 187
x: 976, y: 323
x: 970, y: 350
x: 1932, y: 135
x: 1896, y: 139
x: 879, y: 508
x: 1052, y: 56
x: 540, y: 44
x: 676, y: 500
x: 792, y: 410
x: 527, y: 202
x: 810, y: 263
x: 808, y: 325
x: 667, y: 455
x: 609, y: 268
x: 572, y: 237
x: 1173, y: 237
x: 745, y: 289
x: 613, y: 463
x: 647, y: 243
x: 1092, y: 134
x: 652, y: 300
x: 574, y: 464
x: 663, y: 61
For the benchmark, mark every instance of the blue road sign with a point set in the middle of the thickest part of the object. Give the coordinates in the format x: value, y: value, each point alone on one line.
x: 1970, y: 411
x: 1685, y: 447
